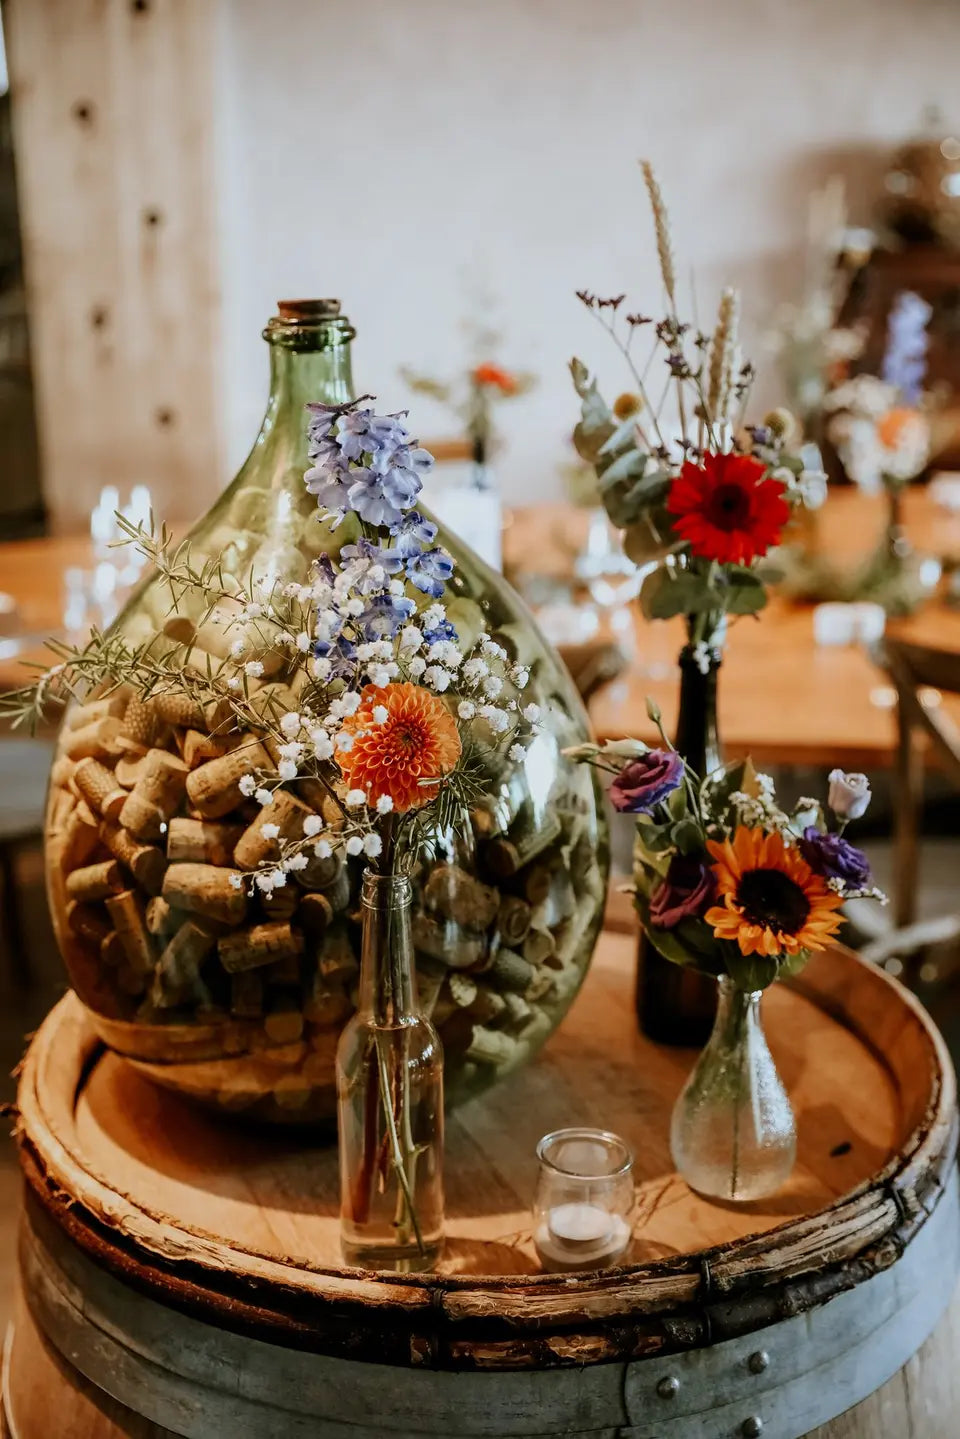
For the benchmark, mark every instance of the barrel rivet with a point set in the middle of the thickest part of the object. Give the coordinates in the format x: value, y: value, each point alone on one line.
x: 758, y: 1361
x: 752, y: 1428
x: 668, y: 1386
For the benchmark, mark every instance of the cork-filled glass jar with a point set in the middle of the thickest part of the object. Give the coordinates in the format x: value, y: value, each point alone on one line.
x: 239, y: 1000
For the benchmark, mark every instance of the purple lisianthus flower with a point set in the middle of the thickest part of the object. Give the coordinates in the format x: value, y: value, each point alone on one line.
x: 684, y: 892
x: 644, y: 782
x: 835, y: 858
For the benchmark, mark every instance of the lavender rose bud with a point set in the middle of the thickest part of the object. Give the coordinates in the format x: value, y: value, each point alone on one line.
x: 848, y: 795
x: 645, y: 781
x: 835, y: 858
x: 685, y: 891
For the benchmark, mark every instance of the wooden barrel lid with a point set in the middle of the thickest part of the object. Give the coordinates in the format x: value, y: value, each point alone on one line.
x: 239, y: 1228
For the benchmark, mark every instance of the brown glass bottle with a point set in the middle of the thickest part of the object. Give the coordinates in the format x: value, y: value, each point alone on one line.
x: 677, y: 1005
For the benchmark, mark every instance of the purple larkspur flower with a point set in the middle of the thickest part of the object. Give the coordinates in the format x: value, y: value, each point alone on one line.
x: 684, y: 892
x: 835, y: 858
x: 342, y: 655
x: 443, y: 631
x: 430, y: 571
x: 644, y: 782
x: 390, y: 560
x: 361, y: 432
x: 414, y: 531
x: 384, y: 615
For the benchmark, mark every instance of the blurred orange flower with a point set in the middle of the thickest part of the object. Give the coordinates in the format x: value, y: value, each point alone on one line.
x: 502, y: 380
x: 891, y: 427
x: 402, y: 734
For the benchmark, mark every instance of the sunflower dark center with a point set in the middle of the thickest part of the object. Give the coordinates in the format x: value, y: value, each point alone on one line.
x: 729, y: 507
x: 770, y: 898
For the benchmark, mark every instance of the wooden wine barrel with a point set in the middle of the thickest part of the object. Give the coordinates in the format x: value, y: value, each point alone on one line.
x: 181, y: 1277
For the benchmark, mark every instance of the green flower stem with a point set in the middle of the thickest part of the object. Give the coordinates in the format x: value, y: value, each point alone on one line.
x: 399, y: 1157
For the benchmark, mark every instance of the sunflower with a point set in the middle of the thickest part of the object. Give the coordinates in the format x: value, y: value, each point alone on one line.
x: 401, y: 735
x: 771, y: 900
x: 728, y: 508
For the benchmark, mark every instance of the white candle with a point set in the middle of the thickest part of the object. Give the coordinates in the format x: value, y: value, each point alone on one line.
x: 580, y: 1236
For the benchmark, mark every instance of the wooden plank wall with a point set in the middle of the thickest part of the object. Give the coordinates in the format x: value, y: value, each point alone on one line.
x: 113, y: 129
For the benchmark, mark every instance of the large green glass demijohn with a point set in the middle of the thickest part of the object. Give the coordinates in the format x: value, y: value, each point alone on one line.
x: 505, y: 917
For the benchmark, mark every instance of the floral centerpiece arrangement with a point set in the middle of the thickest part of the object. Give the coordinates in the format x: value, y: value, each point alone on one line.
x: 702, y: 497
x: 729, y: 883
x: 472, y: 399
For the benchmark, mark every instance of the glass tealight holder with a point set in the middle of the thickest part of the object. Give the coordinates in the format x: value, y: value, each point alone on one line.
x: 584, y: 1200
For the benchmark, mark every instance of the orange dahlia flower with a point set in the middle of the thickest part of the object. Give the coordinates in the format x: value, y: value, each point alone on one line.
x: 493, y: 375
x: 728, y: 508
x: 772, y: 902
x: 417, y: 740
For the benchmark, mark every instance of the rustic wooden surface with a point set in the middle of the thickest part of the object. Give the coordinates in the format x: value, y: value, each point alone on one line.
x: 278, y: 1198
x: 113, y: 109
x: 783, y: 699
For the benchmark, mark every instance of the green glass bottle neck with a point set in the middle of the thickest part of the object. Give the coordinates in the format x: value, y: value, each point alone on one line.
x: 297, y: 378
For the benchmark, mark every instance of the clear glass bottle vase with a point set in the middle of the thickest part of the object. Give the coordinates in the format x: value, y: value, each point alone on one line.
x: 390, y: 1099
x: 732, y: 1135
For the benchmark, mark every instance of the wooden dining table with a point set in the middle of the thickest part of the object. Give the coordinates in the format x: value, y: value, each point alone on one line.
x: 783, y: 698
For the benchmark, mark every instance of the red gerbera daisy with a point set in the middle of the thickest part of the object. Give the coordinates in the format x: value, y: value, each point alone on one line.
x: 728, y: 508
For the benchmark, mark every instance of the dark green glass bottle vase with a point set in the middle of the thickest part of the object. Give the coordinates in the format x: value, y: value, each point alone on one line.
x: 677, y: 1005
x: 504, y: 917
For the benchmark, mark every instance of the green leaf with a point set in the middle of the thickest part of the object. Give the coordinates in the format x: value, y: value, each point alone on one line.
x: 752, y: 971
x: 746, y: 592
x: 665, y: 594
x: 623, y: 437
x: 687, y: 836
x: 581, y: 377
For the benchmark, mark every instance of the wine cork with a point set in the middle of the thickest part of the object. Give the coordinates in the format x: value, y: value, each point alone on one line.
x: 177, y: 708
x: 128, y: 769
x: 99, y: 788
x: 259, y: 945
x: 488, y: 1005
x: 60, y: 807
x: 454, y: 894
x: 513, y: 919
x: 200, y: 748
x: 61, y: 771
x: 246, y: 994
x: 176, y: 978
x: 214, y: 788
x: 539, y: 945
x: 81, y: 715
x: 141, y: 722
x: 510, y: 970
x: 111, y: 950
x: 314, y: 914
x: 130, y: 980
x: 144, y: 861
x: 95, y: 881
x: 283, y: 972
x: 272, y: 701
x: 463, y: 989
x: 446, y: 941
x: 292, y: 1092
x: 536, y: 883
x: 96, y: 740
x: 87, y: 921
x: 126, y: 911
x: 202, y: 840
x: 161, y: 918
x: 287, y: 813
x: 492, y: 1046
x: 205, y: 889
x: 80, y: 839
x: 527, y: 839
x: 314, y: 793
x: 518, y: 1011
x: 180, y: 628
x: 338, y: 963
x: 284, y: 1022
x: 542, y: 984
x: 156, y: 795
x: 280, y: 903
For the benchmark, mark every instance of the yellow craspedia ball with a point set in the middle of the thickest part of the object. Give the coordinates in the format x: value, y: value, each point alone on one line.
x: 626, y: 405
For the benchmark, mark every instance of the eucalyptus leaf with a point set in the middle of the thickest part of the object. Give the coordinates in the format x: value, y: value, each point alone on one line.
x: 623, y: 437
x: 629, y: 465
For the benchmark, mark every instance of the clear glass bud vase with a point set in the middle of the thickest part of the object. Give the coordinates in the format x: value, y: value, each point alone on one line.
x: 732, y: 1135
x: 390, y: 1099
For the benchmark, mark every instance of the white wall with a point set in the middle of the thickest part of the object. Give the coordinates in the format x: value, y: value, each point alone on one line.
x: 386, y: 150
